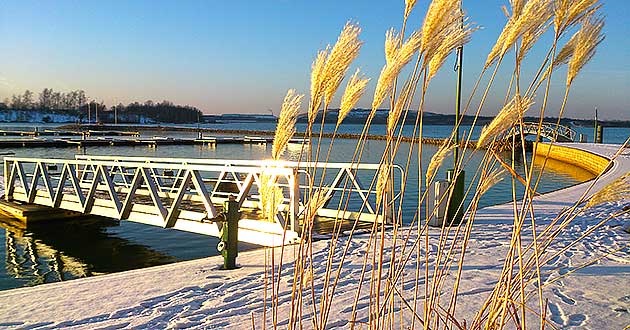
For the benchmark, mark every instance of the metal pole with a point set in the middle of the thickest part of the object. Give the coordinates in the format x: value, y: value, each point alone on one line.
x: 595, y: 128
x: 458, y: 102
x: 454, y: 213
x: 229, y: 235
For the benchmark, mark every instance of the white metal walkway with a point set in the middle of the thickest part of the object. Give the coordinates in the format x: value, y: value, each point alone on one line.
x: 188, y: 194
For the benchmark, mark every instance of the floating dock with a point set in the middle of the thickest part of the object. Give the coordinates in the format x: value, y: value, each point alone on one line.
x: 60, y: 139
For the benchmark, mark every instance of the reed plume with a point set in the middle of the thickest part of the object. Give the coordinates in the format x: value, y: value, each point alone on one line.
x: 440, y: 15
x: 527, y: 20
x: 354, y: 90
x: 317, y: 75
x: 497, y: 49
x: 566, y: 52
x: 392, y: 42
x: 343, y: 53
x: 517, y: 7
x: 569, y: 12
x: 616, y: 190
x: 589, y: 36
x: 452, y: 21
x: 455, y: 36
x: 270, y: 196
x: 381, y: 182
x: 317, y: 201
x: 286, y: 123
x: 507, y: 117
x: 489, y: 181
x: 437, y: 160
x: 535, y: 13
x: 409, y: 4
x: 529, y: 38
x: 391, y: 70
x: 395, y: 113
x: 564, y: 55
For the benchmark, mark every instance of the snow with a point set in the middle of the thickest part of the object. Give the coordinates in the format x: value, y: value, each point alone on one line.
x: 196, y: 294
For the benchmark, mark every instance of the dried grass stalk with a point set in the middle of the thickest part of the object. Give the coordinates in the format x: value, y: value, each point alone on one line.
x: 617, y: 190
x: 354, y: 90
x: 569, y: 12
x: 498, y: 45
x: 566, y: 52
x: 517, y: 7
x: 270, y: 196
x: 535, y: 14
x: 317, y: 201
x: 489, y: 181
x: 381, y: 182
x: 437, y: 160
x: 409, y: 4
x: 440, y: 15
x: 391, y: 70
x: 455, y: 37
x: 317, y: 76
x: 394, y: 114
x: 529, y: 38
x: 589, y: 36
x: 507, y: 117
x: 527, y: 20
x: 341, y: 56
x: 392, y: 42
x: 286, y: 123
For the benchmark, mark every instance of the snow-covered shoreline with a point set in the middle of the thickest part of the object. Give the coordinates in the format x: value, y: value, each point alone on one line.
x: 196, y: 294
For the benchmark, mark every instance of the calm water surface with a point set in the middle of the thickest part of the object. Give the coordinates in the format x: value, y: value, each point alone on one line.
x: 91, y: 246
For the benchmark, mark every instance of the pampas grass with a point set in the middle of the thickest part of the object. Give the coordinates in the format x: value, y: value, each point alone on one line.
x: 353, y: 92
x: 455, y: 36
x: 317, y: 76
x: 341, y: 56
x: 270, y: 196
x: 616, y: 190
x: 589, y: 36
x: 391, y: 70
x: 507, y: 117
x: 490, y: 180
x: 437, y: 160
x: 569, y: 12
x: 409, y: 4
x: 439, y: 17
x: 520, y: 273
x: 392, y: 42
x: 286, y: 123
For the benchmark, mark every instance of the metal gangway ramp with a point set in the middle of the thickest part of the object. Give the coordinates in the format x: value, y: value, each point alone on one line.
x: 188, y: 194
x: 551, y: 131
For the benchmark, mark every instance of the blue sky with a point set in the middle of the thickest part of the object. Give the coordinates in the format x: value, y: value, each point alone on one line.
x: 242, y: 56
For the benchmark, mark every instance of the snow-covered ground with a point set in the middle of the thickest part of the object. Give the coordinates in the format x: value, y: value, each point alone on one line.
x: 197, y: 294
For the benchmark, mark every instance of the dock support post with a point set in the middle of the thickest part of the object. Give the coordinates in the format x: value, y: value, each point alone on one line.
x: 455, y: 213
x: 294, y: 200
x: 229, y: 235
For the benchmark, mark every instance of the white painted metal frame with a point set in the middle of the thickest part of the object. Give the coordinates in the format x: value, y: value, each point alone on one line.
x: 181, y: 193
x: 556, y: 133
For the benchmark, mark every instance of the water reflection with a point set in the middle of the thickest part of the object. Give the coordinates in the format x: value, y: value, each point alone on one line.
x: 70, y: 249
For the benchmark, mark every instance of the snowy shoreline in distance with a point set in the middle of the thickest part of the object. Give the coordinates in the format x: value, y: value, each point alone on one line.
x: 195, y: 294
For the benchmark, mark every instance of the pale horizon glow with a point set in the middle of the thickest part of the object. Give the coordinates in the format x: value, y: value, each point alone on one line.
x: 242, y: 57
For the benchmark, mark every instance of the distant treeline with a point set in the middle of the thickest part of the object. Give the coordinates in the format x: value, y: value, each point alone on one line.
x: 76, y: 104
x: 359, y: 116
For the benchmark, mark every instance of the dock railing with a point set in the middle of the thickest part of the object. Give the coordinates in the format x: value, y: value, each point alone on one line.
x: 187, y: 194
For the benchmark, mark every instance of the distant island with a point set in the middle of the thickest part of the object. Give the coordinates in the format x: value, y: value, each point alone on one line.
x: 358, y: 116
x: 74, y: 107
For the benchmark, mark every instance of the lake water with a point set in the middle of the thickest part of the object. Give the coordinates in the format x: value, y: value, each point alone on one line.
x: 90, y: 246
